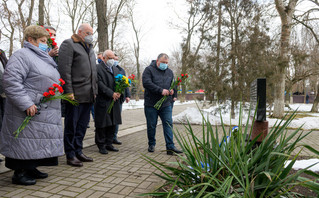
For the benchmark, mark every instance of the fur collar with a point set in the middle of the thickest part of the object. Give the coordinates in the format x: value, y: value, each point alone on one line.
x: 76, y: 38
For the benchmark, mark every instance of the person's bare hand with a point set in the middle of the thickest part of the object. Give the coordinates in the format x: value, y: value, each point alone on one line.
x: 54, y: 52
x: 165, y: 92
x: 127, y: 99
x: 116, y: 96
x: 174, y: 99
x: 31, y: 111
x: 171, y: 92
x: 71, y: 96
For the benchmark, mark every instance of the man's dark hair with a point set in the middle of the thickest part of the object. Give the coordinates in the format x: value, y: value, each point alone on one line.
x: 162, y: 55
x: 49, y: 27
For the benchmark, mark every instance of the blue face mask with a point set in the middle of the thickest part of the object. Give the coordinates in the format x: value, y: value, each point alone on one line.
x: 116, y: 62
x: 99, y: 60
x: 162, y: 66
x: 43, y: 47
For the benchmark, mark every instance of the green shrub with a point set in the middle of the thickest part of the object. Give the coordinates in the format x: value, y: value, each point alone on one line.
x: 237, y: 168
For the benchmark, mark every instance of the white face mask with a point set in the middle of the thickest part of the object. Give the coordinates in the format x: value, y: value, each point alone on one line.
x: 88, y: 39
x: 110, y: 62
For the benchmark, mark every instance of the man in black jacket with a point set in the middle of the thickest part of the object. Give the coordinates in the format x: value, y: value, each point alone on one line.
x: 157, y: 79
x: 105, y: 122
x: 124, y: 97
x: 78, y: 69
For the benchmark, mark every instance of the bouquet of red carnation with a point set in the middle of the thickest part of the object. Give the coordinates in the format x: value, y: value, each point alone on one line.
x: 51, y: 41
x: 179, y: 80
x: 55, y: 92
x: 131, y: 77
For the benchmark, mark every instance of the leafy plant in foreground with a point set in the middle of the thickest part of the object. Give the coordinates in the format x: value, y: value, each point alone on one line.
x: 238, y: 168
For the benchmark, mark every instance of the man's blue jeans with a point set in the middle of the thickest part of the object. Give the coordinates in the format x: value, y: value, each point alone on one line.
x: 165, y: 114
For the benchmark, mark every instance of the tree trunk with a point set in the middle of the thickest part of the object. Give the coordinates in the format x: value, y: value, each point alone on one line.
x: 41, y: 12
x: 102, y: 26
x: 286, y: 13
x: 315, y: 102
x: 232, y: 109
x: 279, y: 100
x: 218, y: 37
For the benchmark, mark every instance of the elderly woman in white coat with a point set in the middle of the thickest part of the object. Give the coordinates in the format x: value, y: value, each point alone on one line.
x: 29, y: 73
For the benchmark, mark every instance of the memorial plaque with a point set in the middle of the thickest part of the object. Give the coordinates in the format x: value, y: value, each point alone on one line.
x: 258, y: 96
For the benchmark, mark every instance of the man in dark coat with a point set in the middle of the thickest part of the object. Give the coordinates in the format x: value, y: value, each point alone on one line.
x: 157, y: 79
x: 124, y: 97
x: 3, y: 62
x: 78, y: 69
x: 105, y: 122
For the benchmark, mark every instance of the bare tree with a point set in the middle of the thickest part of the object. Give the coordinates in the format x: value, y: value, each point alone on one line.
x: 16, y: 20
x: 136, y: 46
x: 41, y: 12
x: 114, y: 23
x: 309, y: 20
x: 76, y: 10
x: 286, y: 11
x: 198, y: 18
x: 9, y: 22
x: 102, y: 27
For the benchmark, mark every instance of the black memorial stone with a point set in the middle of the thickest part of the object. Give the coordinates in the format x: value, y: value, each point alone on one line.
x: 258, y: 97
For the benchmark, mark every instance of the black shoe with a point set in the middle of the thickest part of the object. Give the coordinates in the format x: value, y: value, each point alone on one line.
x: 151, y: 149
x: 111, y: 148
x: 21, y: 178
x: 116, y: 141
x: 103, y: 150
x: 74, y: 162
x: 84, y: 158
x: 173, y: 151
x: 35, y: 173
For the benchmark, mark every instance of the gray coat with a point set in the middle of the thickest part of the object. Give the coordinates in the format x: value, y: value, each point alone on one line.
x: 78, y: 69
x: 106, y: 85
x: 28, y: 74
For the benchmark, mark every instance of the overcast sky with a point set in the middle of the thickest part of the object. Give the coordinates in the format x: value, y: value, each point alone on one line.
x: 154, y: 17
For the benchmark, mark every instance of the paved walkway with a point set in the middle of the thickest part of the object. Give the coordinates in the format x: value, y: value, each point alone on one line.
x: 117, y: 174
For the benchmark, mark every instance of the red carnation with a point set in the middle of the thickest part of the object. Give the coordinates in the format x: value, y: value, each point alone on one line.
x: 51, y: 88
x: 62, y: 81
x: 46, y: 94
x: 60, y: 89
x: 182, y: 75
x: 52, y: 93
x: 56, y: 85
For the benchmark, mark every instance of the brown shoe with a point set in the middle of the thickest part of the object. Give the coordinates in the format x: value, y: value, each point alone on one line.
x: 84, y: 158
x: 74, y: 162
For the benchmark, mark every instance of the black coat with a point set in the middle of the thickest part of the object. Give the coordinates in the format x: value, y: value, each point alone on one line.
x: 154, y: 81
x: 106, y: 88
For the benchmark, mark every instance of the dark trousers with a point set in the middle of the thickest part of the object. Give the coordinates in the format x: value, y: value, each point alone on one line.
x: 117, y: 126
x: 75, y: 124
x: 104, y: 136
